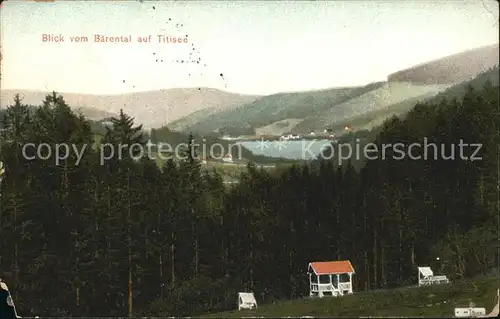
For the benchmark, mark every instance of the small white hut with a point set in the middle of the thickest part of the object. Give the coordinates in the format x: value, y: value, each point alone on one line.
x: 246, y: 300
x: 332, y: 278
x: 228, y: 158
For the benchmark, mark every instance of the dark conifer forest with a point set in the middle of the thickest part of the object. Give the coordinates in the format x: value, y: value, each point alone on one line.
x: 104, y: 240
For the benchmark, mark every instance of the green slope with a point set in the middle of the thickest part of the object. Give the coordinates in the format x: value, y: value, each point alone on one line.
x: 277, y: 107
x: 198, y: 116
x: 313, y: 110
x: 430, y: 301
x: 458, y: 91
x: 372, y: 121
x: 379, y: 99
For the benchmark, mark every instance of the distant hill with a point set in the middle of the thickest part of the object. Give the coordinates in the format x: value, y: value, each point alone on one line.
x: 387, y: 99
x: 93, y: 114
x: 369, y: 131
x: 452, y: 69
x: 267, y: 110
x: 360, y: 107
x: 303, y: 112
x: 152, y: 109
x: 369, y: 120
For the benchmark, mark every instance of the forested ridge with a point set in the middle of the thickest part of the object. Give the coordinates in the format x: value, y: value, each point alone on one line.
x: 75, y: 240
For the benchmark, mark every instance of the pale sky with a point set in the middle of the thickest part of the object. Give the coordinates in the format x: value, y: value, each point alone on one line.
x: 260, y: 47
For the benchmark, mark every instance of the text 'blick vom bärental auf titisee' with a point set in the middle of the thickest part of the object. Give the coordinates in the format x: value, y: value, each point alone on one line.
x: 100, y: 38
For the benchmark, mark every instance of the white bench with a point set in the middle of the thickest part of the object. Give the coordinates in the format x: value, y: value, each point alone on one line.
x: 426, y: 277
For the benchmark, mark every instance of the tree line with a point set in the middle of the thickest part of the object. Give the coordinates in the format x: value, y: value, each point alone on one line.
x: 129, y: 237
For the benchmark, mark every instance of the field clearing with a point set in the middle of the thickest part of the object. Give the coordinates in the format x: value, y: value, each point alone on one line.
x: 429, y: 301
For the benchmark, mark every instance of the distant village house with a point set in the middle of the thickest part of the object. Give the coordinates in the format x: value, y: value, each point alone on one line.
x: 227, y: 158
